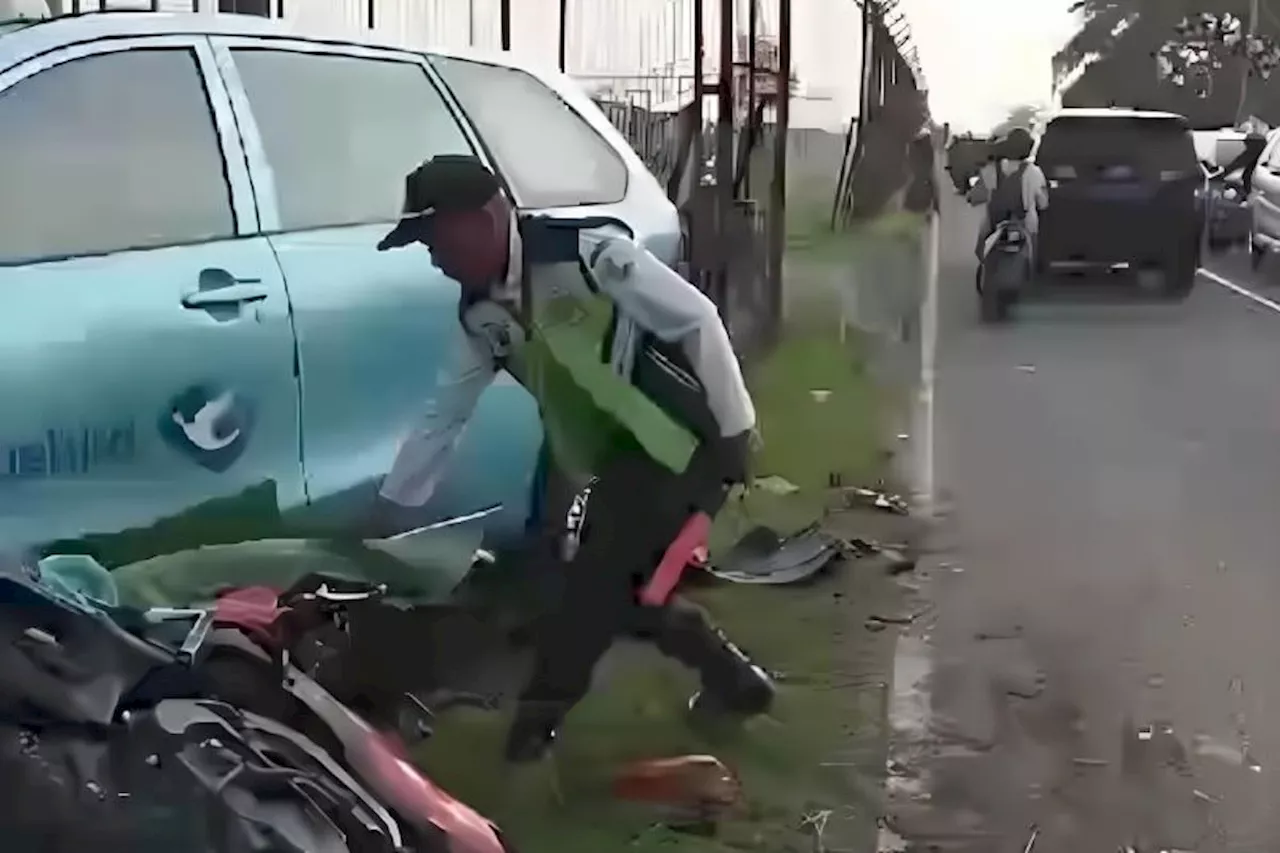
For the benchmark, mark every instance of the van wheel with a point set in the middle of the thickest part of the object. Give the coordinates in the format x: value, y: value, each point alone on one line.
x: 1179, y: 278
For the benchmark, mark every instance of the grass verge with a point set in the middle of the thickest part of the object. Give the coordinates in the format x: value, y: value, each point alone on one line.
x: 794, y: 764
x: 811, y: 237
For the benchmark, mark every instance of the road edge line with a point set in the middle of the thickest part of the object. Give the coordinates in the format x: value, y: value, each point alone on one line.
x: 1239, y: 290
x: 909, y: 703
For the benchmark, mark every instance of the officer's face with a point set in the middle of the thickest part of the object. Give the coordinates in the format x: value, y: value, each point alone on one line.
x: 469, y: 247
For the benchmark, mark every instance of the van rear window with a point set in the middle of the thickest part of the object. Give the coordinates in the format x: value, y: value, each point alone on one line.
x: 1142, y: 143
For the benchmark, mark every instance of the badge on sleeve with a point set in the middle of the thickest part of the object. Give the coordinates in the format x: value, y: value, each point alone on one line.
x: 496, y: 326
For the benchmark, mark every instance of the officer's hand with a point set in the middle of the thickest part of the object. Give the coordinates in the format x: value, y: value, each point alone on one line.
x: 734, y: 456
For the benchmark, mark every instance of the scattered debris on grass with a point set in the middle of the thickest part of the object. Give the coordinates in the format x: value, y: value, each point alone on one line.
x: 859, y: 496
x: 775, y: 485
x: 816, y: 822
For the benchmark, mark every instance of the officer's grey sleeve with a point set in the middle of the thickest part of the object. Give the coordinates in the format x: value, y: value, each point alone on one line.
x: 424, y: 455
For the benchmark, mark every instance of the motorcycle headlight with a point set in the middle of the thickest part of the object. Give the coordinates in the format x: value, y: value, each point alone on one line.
x: 1231, y: 194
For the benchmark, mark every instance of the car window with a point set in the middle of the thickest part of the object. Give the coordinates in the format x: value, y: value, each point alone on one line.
x: 1105, y: 141
x: 1273, y: 156
x: 546, y: 149
x: 261, y: 8
x: 108, y: 152
x: 341, y: 132
x: 1228, y: 150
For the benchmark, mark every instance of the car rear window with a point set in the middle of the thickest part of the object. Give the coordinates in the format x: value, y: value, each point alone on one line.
x: 1145, y: 144
x: 551, y: 155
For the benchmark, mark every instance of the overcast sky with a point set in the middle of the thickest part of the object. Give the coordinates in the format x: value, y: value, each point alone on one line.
x: 982, y: 57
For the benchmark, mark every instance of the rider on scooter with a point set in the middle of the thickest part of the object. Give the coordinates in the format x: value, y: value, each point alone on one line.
x: 1020, y: 191
x: 456, y: 208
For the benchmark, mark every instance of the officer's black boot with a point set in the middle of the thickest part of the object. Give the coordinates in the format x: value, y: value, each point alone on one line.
x: 732, y: 684
x: 533, y: 732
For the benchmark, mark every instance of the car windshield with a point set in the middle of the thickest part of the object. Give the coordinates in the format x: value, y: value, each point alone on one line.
x: 1144, y: 143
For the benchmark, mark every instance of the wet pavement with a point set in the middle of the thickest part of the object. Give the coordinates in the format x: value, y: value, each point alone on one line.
x: 1103, y: 668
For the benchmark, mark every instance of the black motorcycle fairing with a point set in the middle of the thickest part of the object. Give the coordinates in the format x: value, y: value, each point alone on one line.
x: 276, y: 781
x: 61, y: 664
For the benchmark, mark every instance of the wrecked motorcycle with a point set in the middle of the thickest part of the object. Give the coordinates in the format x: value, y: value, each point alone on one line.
x: 269, y: 653
x: 460, y: 608
x: 108, y: 741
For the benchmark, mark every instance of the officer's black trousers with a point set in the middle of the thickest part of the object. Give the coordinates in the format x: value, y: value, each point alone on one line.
x: 636, y: 509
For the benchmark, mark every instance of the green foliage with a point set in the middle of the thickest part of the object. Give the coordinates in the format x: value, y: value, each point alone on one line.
x: 1127, y: 35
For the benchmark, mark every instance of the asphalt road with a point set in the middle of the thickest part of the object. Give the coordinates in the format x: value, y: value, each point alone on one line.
x: 1101, y: 621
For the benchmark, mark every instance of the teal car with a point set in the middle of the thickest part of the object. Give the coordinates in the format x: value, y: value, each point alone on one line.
x: 200, y: 343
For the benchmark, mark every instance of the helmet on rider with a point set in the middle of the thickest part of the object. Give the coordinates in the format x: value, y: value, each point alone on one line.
x: 1016, y: 145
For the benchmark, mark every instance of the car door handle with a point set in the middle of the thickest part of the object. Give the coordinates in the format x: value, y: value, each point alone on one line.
x: 219, y: 287
x: 237, y: 294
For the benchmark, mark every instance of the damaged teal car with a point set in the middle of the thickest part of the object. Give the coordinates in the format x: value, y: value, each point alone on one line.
x: 200, y: 343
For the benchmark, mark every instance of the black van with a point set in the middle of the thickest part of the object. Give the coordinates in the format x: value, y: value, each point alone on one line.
x: 1123, y: 195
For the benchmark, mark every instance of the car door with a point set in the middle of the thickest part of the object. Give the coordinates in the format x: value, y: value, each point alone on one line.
x: 146, y: 355
x: 1264, y: 200
x: 331, y: 131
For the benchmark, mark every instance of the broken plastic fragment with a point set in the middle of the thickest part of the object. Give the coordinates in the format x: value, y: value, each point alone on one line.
x: 761, y: 556
x: 775, y: 485
x: 697, y: 787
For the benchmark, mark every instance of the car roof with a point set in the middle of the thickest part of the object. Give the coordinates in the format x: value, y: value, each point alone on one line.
x: 1115, y: 112
x: 37, y: 37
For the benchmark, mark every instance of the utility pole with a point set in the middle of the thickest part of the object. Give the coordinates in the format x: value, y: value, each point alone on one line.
x: 1247, y: 65
x: 725, y: 190
x: 562, y: 51
x: 778, y: 194
x: 753, y: 35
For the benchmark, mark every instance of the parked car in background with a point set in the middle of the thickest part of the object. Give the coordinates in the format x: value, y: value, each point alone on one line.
x: 1264, y: 203
x: 1222, y: 196
x: 200, y: 342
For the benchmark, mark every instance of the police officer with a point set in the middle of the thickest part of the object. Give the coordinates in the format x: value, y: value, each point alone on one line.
x: 636, y: 507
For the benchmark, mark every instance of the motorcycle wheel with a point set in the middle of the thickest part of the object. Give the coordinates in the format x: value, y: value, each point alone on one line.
x: 994, y: 304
